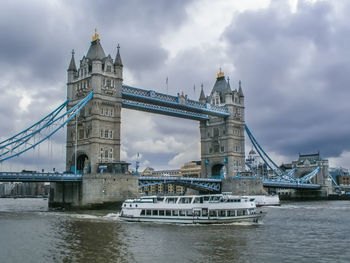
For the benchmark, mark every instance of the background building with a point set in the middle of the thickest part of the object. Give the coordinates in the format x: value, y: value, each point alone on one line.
x: 190, y: 169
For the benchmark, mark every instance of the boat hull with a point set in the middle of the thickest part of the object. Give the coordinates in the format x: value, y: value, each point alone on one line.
x: 196, y: 220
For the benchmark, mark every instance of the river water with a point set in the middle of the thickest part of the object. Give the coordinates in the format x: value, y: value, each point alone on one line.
x: 293, y: 232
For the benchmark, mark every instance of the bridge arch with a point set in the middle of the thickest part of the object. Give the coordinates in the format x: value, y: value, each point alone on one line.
x: 218, y: 170
x: 83, y: 162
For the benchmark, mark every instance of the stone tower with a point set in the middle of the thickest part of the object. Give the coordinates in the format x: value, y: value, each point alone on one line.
x: 222, y: 139
x: 97, y: 141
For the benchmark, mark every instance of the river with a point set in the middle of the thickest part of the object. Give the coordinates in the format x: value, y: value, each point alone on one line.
x: 293, y: 232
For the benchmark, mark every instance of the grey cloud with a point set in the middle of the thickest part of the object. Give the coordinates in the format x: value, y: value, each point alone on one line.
x: 37, y: 38
x: 295, y: 72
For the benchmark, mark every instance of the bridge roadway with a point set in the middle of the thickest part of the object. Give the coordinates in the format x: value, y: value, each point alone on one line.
x: 281, y: 184
x: 206, y: 184
x: 39, y: 177
x: 214, y: 185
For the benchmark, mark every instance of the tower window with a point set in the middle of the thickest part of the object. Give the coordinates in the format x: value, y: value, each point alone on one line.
x: 111, y: 134
x: 222, y: 148
x: 81, y: 134
x: 101, y: 135
x: 106, y: 133
x: 109, y: 69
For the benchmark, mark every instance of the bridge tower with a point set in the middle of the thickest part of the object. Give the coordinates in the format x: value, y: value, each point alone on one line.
x: 222, y: 139
x: 95, y: 134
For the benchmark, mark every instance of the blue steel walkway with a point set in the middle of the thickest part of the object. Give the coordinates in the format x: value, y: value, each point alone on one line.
x: 281, y: 184
x: 177, y: 106
x: 39, y: 177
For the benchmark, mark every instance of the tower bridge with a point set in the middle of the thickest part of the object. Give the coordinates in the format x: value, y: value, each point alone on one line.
x: 95, y: 97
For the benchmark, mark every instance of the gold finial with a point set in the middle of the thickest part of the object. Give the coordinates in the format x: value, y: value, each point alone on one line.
x: 95, y: 36
x: 220, y: 74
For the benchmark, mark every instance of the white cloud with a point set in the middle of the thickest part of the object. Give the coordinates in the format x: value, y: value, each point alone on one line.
x: 340, y: 161
x: 190, y: 152
x: 168, y: 144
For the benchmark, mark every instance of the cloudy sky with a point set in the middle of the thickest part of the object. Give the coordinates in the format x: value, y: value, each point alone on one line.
x: 292, y: 57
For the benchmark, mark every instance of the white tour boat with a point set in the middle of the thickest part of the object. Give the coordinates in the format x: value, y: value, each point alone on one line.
x: 203, y: 209
x: 266, y: 200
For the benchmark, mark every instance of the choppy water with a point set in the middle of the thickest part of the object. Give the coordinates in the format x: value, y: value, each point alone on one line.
x: 294, y: 232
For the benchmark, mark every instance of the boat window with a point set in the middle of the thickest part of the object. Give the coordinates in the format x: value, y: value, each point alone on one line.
x: 160, y: 199
x: 244, y: 212
x: 197, y: 213
x: 182, y: 212
x: 230, y: 212
x: 124, y: 205
x: 161, y: 212
x: 189, y: 213
x: 185, y: 200
x: 171, y: 200
x: 239, y: 212
x: 222, y: 212
x: 196, y: 200
x: 204, y: 212
x: 154, y: 212
x: 212, y: 213
x: 175, y: 212
x: 142, y: 212
x: 206, y: 198
x: 201, y: 200
x: 168, y: 212
x: 148, y: 212
x: 214, y: 198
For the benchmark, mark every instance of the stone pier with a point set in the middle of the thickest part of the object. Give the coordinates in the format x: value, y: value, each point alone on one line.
x: 95, y: 191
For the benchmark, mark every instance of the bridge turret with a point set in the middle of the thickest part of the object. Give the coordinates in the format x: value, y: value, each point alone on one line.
x: 98, y: 129
x: 202, y: 97
x: 72, y: 72
x: 228, y: 93
x: 118, y: 70
x: 222, y: 138
x: 118, y: 64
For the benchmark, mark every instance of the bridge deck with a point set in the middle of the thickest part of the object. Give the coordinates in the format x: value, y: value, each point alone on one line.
x: 39, y: 177
x: 281, y: 184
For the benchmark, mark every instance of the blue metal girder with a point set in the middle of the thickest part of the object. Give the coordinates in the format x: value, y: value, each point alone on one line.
x: 39, y: 177
x: 20, y: 145
x: 212, y: 185
x: 281, y: 184
x: 134, y: 105
x: 155, y: 98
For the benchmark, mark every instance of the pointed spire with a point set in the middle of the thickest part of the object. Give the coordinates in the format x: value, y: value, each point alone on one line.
x: 95, y: 36
x: 118, y: 60
x: 72, y: 66
x: 220, y: 74
x: 228, y: 82
x: 202, y: 95
x: 240, y: 91
x: 95, y: 51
